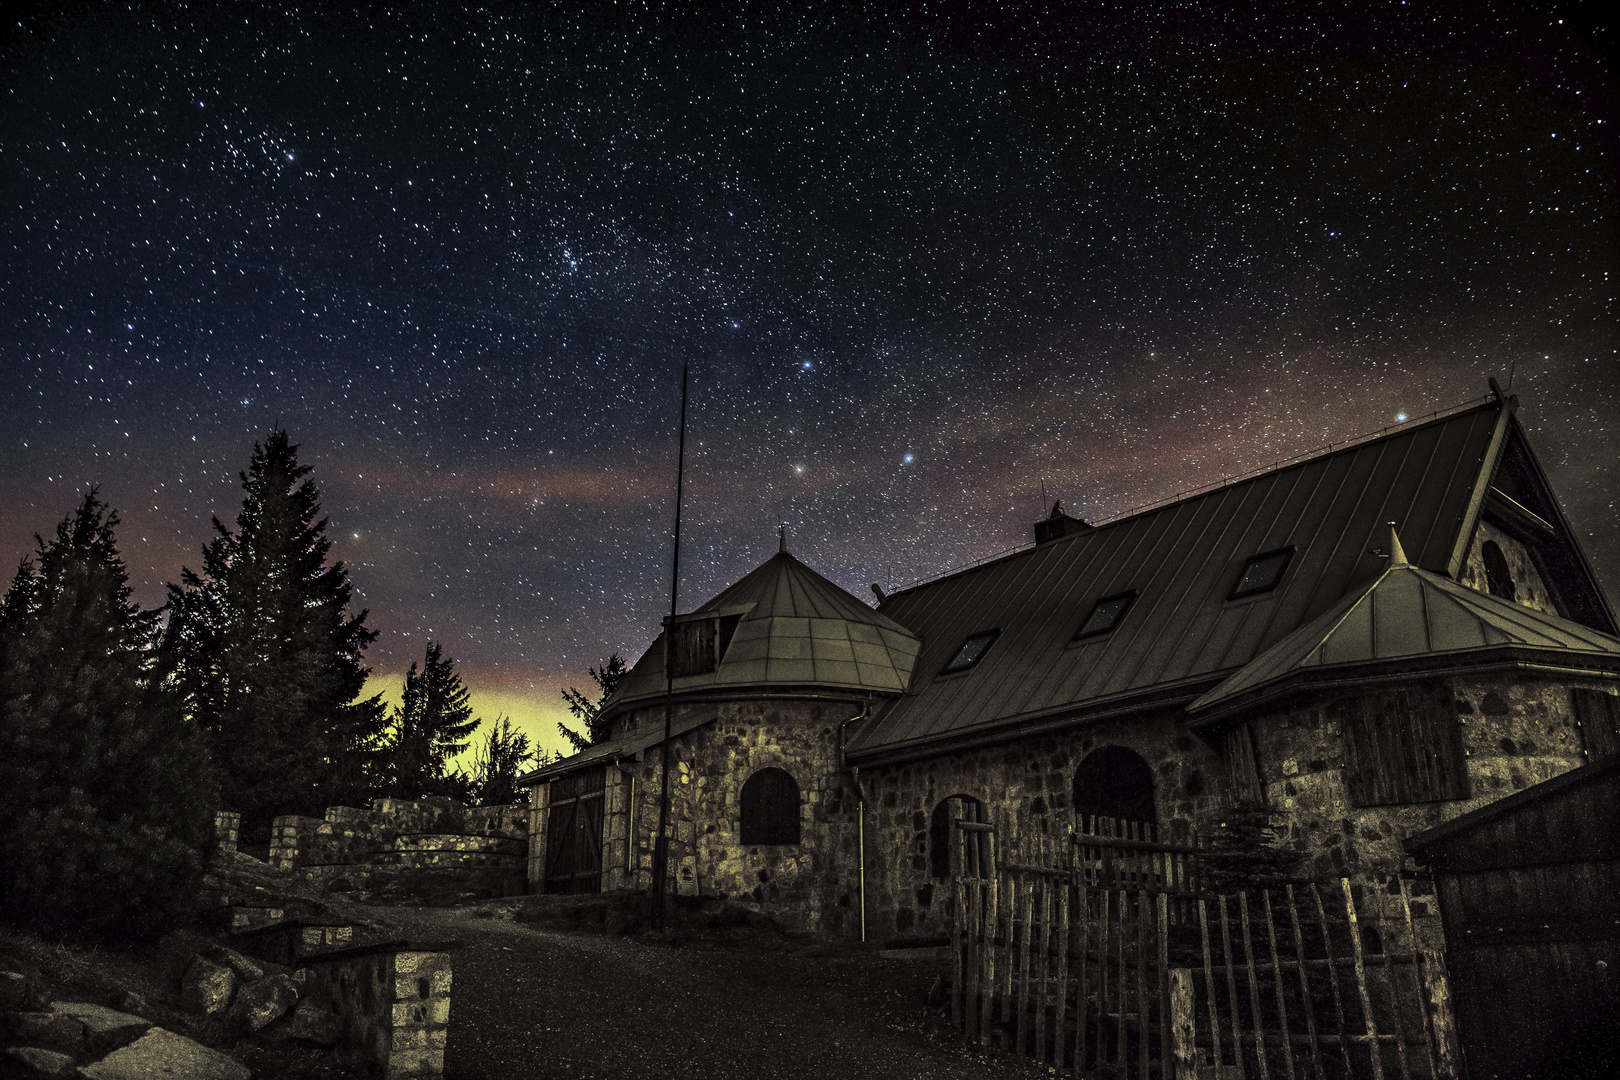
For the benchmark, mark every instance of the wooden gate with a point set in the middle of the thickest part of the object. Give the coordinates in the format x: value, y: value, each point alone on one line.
x: 574, y: 833
x: 1107, y: 960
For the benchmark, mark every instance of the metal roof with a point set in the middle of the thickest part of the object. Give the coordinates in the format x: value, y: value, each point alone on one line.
x: 1406, y: 612
x: 1181, y: 561
x: 619, y: 748
x: 797, y: 630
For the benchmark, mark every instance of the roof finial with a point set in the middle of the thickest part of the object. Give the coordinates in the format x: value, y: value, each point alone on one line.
x: 1397, y: 554
x: 781, y: 539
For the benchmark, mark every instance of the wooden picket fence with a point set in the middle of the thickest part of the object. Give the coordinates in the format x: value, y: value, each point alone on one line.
x: 1111, y: 963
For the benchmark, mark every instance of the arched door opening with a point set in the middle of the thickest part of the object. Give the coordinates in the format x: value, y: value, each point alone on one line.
x: 1113, y: 783
x: 769, y: 808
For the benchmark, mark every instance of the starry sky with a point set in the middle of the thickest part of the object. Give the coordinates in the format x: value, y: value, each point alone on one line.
x: 926, y: 263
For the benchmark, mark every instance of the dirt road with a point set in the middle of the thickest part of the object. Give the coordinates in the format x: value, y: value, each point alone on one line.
x: 536, y: 1003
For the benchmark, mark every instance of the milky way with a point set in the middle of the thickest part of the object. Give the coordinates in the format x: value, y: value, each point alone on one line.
x: 925, y: 268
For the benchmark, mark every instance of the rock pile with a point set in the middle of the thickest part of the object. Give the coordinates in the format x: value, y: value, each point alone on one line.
x: 42, y: 1039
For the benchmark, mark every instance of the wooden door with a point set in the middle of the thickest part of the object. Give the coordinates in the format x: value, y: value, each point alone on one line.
x: 574, y: 833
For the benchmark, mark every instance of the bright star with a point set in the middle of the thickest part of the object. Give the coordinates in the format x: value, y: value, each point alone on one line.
x: 1400, y: 417
x: 908, y: 459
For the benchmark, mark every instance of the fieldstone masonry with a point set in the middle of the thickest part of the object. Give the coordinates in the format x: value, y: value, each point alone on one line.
x: 393, y: 1005
x: 482, y: 845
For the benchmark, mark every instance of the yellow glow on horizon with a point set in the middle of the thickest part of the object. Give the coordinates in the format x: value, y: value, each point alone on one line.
x: 534, y: 711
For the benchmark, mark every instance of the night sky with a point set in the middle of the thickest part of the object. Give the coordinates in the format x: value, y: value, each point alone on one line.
x: 925, y: 262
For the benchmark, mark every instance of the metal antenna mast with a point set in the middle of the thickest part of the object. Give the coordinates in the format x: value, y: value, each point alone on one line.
x: 661, y: 843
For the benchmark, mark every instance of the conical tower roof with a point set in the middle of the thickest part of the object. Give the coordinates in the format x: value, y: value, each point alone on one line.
x: 1408, y: 612
x: 793, y: 629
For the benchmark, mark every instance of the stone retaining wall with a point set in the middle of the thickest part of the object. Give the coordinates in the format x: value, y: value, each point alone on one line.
x: 393, y: 1005
x: 488, y: 844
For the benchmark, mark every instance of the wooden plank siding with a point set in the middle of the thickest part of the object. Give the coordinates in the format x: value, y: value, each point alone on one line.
x: 1529, y: 894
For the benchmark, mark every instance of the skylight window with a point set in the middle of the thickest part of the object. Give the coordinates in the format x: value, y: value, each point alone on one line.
x: 1105, y: 615
x: 971, y: 652
x: 1262, y: 572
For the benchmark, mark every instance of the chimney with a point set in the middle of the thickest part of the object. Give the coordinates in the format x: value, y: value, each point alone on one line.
x: 1058, y: 525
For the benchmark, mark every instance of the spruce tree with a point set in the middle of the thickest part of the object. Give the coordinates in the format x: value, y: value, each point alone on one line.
x: 106, y: 791
x: 590, y: 712
x: 431, y: 725
x: 498, y: 763
x: 268, y: 655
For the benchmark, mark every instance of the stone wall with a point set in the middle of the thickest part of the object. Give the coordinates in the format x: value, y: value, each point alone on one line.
x: 1517, y: 730
x: 488, y: 843
x: 393, y: 1006
x: 1528, y: 587
x: 1027, y: 788
x: 806, y: 885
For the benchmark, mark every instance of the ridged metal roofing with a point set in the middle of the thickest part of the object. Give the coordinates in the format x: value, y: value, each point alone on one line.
x: 618, y: 748
x: 1406, y: 612
x: 796, y: 629
x: 1181, y: 561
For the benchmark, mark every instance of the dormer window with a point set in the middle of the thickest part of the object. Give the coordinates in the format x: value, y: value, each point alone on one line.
x: 697, y: 645
x: 1105, y: 615
x: 1261, y: 573
x: 971, y: 652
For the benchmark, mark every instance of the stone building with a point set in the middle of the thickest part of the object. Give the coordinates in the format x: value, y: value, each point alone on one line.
x: 1371, y: 641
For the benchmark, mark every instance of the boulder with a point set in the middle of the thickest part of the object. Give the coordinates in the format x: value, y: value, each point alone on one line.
x: 315, y: 1020
x: 32, y: 1063
x: 206, y: 987
x: 45, y: 1028
x: 105, y: 1029
x: 20, y: 993
x: 264, y: 1002
x: 246, y: 970
x: 161, y: 1053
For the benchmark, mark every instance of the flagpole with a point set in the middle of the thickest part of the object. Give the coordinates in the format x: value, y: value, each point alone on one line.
x: 661, y: 842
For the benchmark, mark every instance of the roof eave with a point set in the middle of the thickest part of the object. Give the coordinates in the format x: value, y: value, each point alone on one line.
x: 1006, y: 728
x: 1487, y: 658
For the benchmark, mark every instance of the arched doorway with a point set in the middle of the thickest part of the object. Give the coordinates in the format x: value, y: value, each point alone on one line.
x: 1116, y: 783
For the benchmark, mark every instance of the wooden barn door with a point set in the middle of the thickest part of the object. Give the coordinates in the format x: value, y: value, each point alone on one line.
x: 574, y: 833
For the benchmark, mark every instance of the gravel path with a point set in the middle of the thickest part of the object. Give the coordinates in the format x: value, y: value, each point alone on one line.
x: 536, y: 1003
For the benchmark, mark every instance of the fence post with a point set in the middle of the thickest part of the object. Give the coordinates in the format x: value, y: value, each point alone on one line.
x: 1437, y: 990
x: 1183, y: 1025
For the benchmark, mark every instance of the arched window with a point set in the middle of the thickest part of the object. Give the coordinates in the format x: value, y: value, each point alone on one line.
x: 770, y: 808
x: 953, y: 808
x: 1114, y: 783
x: 1498, y: 578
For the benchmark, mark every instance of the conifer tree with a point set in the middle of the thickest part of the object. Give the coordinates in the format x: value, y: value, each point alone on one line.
x: 607, y: 680
x: 498, y: 763
x: 106, y: 792
x: 268, y: 655
x: 431, y: 725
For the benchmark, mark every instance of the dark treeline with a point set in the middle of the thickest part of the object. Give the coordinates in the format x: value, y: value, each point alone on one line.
x: 123, y: 730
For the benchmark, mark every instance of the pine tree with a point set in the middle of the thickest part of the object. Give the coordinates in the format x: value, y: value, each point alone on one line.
x: 431, y: 725
x: 106, y: 791
x: 268, y: 656
x: 590, y: 712
x: 498, y: 763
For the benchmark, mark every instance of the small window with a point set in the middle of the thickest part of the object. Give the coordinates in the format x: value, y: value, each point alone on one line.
x: 1242, y: 771
x: 1105, y: 615
x: 1598, y: 715
x: 770, y: 808
x: 971, y: 652
x: 698, y: 645
x: 1262, y: 572
x: 1404, y: 746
